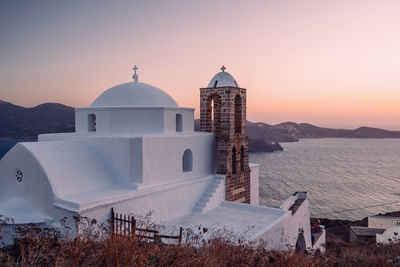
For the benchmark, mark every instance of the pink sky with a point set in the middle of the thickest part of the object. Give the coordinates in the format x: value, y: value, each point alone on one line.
x: 330, y: 63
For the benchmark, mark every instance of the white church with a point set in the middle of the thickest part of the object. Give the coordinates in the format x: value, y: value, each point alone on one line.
x: 135, y: 150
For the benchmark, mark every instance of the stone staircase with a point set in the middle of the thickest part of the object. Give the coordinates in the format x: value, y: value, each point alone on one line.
x: 212, y: 196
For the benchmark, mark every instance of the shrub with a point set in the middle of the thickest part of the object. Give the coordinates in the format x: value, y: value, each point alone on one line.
x: 94, y: 246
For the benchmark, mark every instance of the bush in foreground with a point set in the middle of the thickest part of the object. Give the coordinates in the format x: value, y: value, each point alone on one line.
x: 92, y: 247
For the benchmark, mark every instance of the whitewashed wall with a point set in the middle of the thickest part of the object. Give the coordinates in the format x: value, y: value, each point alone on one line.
x: 134, y: 120
x: 34, y: 187
x: 165, y: 202
x: 254, y: 184
x: 162, y: 157
x: 383, y: 222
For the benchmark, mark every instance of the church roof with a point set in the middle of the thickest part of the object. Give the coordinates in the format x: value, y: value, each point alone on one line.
x: 72, y: 167
x: 134, y: 94
x: 239, y: 218
x: 222, y: 79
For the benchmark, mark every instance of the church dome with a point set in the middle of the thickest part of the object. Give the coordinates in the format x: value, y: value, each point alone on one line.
x: 222, y: 79
x: 134, y: 94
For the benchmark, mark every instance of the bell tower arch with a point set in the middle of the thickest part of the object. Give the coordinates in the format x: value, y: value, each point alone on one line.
x: 223, y: 112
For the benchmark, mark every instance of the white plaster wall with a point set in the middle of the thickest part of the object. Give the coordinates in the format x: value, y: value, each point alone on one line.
x: 391, y: 235
x: 134, y: 120
x: 165, y: 202
x: 34, y: 187
x: 382, y: 222
x: 300, y: 220
x: 274, y: 237
x: 136, y: 160
x: 320, y: 244
x: 254, y: 184
x: 102, y: 120
x: 219, y: 195
x: 73, y: 167
x: 138, y: 121
x: 121, y: 120
x: 147, y: 159
x: 125, y: 157
x: 124, y: 154
x: 162, y: 157
x: 170, y: 120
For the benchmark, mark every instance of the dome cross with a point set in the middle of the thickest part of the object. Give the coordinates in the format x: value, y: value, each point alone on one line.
x: 135, y: 76
x: 223, y: 68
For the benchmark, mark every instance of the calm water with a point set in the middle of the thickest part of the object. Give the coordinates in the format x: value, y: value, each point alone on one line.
x: 338, y: 174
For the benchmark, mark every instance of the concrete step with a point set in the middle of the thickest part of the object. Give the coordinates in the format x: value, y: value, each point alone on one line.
x: 204, y: 199
x: 197, y: 209
x: 201, y: 204
x: 208, y: 193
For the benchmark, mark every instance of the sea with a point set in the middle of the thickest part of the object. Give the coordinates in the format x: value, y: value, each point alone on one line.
x: 344, y: 178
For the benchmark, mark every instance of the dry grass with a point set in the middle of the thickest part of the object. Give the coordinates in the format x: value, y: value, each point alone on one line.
x: 91, y: 247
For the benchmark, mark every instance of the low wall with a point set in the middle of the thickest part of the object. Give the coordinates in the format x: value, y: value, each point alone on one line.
x: 254, y: 184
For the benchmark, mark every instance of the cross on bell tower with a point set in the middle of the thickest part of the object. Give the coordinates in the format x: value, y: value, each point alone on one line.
x: 223, y: 112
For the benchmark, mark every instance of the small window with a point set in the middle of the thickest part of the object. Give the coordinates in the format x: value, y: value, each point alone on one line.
x: 179, y: 122
x: 238, y: 114
x: 242, y: 159
x: 234, y: 160
x: 187, y: 161
x: 215, y: 83
x: 91, y: 122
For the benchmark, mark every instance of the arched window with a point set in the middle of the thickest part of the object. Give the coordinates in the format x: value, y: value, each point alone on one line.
x: 215, y: 114
x: 234, y: 160
x: 187, y: 161
x: 92, y: 122
x: 238, y: 114
x: 210, y: 117
x: 242, y: 159
x: 178, y: 122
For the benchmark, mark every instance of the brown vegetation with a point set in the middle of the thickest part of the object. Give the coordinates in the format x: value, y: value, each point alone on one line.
x: 92, y: 247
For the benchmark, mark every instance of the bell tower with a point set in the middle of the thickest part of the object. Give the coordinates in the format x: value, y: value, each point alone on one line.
x: 223, y: 112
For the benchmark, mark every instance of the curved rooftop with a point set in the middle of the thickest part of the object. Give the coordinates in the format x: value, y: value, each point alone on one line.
x: 134, y: 94
x: 222, y: 79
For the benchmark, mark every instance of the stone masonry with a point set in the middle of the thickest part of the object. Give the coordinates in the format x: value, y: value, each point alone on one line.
x: 223, y: 111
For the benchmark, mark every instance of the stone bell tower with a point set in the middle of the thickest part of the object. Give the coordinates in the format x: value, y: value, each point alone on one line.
x: 223, y: 112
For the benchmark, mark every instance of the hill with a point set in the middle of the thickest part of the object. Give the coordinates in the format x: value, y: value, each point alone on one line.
x: 18, y: 122
x: 27, y: 123
x: 260, y: 138
x: 306, y: 130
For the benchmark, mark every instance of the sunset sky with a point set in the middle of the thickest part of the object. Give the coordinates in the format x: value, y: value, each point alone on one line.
x: 330, y: 63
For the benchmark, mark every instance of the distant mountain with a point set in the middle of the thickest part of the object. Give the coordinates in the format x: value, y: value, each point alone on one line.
x: 269, y: 133
x: 306, y: 130
x: 18, y: 122
x: 263, y: 136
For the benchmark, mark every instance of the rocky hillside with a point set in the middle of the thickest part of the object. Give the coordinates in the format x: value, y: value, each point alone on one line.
x: 18, y: 122
x: 306, y: 130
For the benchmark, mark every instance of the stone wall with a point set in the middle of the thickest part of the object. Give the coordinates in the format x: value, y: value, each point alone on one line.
x: 223, y: 111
